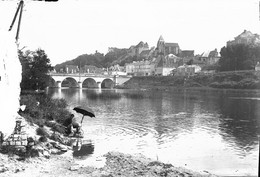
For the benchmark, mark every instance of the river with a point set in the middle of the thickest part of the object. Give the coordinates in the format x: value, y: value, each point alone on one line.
x: 199, y: 130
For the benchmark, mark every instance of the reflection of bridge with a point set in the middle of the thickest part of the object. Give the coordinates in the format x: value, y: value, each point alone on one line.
x: 86, y: 80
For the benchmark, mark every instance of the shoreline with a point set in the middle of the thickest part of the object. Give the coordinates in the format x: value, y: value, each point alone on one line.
x: 116, y: 165
x: 56, y: 158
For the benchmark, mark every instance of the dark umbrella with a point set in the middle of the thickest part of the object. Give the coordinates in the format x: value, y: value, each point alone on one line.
x: 84, y: 111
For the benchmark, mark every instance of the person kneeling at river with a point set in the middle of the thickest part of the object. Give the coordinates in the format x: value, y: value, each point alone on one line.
x: 70, y: 124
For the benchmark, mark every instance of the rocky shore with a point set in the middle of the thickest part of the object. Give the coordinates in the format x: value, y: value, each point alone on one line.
x: 54, y: 157
x: 116, y: 165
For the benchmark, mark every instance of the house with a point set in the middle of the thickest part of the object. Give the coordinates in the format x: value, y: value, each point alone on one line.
x: 210, y: 57
x: 117, y: 70
x: 141, y: 68
x: 186, y: 56
x: 246, y: 37
x: 187, y: 70
x: 70, y: 69
x: 136, y: 50
x: 90, y: 69
x: 129, y: 67
x: 166, y: 64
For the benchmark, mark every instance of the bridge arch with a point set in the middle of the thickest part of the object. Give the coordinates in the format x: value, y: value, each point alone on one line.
x: 89, y: 83
x: 107, y: 83
x: 52, y: 82
x: 69, y: 82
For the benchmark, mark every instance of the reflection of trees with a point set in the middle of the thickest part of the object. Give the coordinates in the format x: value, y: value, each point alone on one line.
x: 240, y: 121
x: 237, y: 119
x: 170, y: 113
x: 82, y: 151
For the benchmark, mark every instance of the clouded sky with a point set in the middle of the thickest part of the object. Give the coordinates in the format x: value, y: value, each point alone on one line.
x: 69, y: 28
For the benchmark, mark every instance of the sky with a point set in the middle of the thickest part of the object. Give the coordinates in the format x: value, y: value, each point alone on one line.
x: 69, y: 28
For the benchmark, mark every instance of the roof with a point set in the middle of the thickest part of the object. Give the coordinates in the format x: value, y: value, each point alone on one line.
x: 187, y: 53
x: 171, y: 44
x: 245, y: 34
x: 205, y: 54
x: 171, y: 55
x: 145, y: 52
x: 72, y: 66
x: 213, y: 53
x: 161, y: 38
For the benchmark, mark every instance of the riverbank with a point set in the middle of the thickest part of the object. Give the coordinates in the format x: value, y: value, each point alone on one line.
x: 116, y: 165
x: 55, y: 158
x: 239, y: 80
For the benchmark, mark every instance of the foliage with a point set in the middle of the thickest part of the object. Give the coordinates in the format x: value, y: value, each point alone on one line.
x: 239, y: 57
x: 42, y: 131
x: 231, y: 79
x: 41, y: 108
x: 113, y: 57
x: 214, y: 67
x: 35, y: 69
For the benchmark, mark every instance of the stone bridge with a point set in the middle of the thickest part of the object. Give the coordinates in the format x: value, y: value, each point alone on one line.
x: 86, y: 80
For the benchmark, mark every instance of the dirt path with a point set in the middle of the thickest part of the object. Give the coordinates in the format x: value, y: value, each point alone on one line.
x: 116, y: 165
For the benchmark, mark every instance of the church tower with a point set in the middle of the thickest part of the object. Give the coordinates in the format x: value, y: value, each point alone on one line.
x: 161, y: 46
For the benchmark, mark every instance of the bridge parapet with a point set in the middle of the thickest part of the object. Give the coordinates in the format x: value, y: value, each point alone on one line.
x: 80, y: 78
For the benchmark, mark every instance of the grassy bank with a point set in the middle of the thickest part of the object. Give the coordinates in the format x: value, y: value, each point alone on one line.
x: 221, y: 80
x: 41, y: 109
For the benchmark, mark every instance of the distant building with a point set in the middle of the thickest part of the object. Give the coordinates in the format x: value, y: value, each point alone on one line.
x: 146, y: 54
x: 140, y: 47
x: 210, y: 57
x: 167, y: 48
x: 246, y: 37
x: 187, y: 70
x: 166, y: 64
x: 117, y: 68
x: 70, y: 69
x: 141, y: 68
x: 172, y: 48
x: 90, y: 69
x: 129, y: 67
x: 186, y: 54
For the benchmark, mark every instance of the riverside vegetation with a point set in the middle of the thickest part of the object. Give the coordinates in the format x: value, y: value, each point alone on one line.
x: 220, y: 80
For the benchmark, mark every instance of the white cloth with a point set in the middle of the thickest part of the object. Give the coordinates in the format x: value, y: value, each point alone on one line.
x: 11, y: 75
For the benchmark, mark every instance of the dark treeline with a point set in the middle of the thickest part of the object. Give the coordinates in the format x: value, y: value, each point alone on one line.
x: 239, y: 57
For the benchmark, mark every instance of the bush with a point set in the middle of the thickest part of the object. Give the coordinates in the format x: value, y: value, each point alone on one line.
x: 41, y: 108
x: 43, y: 139
x: 42, y: 131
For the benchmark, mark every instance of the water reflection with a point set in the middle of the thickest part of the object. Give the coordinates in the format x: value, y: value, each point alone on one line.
x: 82, y: 150
x: 214, y: 131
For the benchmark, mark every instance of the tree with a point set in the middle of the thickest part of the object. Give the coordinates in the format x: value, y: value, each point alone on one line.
x: 239, y: 57
x: 35, y: 69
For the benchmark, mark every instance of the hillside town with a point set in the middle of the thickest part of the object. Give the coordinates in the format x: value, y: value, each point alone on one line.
x: 167, y: 58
